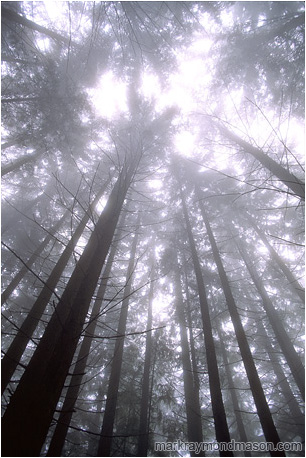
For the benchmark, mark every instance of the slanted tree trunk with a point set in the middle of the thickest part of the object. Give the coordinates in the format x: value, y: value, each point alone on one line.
x: 10, y: 15
x: 221, y: 427
x: 193, y: 409
x: 143, y: 439
x: 262, y: 406
x: 20, y: 162
x: 15, y: 351
x: 18, y: 140
x: 286, y: 177
x: 63, y: 422
x: 292, y: 281
x: 105, y: 442
x: 32, y: 405
x: 289, y: 352
x: 29, y: 263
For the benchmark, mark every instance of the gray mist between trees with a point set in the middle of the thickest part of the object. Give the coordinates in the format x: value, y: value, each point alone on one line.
x: 152, y: 227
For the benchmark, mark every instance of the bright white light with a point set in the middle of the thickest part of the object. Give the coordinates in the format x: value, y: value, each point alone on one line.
x: 202, y: 45
x: 185, y: 143
x: 262, y: 249
x: 53, y: 9
x: 150, y: 85
x: 160, y: 306
x: 43, y: 43
x: 109, y: 96
x: 155, y: 184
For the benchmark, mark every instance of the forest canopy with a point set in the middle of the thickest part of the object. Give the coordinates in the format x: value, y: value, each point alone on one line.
x: 153, y: 228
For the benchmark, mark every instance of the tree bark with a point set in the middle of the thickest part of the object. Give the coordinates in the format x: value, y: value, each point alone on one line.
x: 105, y: 442
x: 262, y: 406
x: 32, y: 405
x: 221, y: 427
x: 14, y: 353
x: 143, y: 439
x: 63, y: 422
x: 232, y: 391
x: 195, y: 373
x: 193, y: 409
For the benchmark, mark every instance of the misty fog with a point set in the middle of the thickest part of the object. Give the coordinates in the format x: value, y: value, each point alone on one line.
x: 153, y: 228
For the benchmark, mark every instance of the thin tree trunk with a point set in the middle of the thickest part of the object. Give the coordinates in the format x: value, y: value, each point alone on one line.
x: 143, y: 439
x: 20, y: 99
x: 293, y: 282
x: 262, y: 406
x: 195, y: 373
x: 102, y: 390
x: 193, y: 410
x: 286, y: 177
x: 105, y: 442
x: 292, y: 358
x: 32, y: 405
x: 221, y: 427
x: 63, y: 422
x: 29, y: 263
x: 14, y: 353
x: 232, y: 391
x: 298, y: 419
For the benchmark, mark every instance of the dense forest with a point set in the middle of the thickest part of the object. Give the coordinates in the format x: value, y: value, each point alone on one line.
x: 152, y: 228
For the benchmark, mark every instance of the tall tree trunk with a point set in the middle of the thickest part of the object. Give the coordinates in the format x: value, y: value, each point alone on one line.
x: 286, y: 177
x: 105, y: 442
x: 292, y: 358
x: 143, y: 439
x: 193, y: 409
x: 63, y: 422
x: 15, y: 351
x: 33, y: 403
x: 29, y: 263
x: 262, y: 406
x: 292, y: 281
x: 233, y: 395
x: 194, y: 364
x: 298, y: 419
x: 221, y: 427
